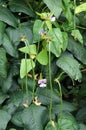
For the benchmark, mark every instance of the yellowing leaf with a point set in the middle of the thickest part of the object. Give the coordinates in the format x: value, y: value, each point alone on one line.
x: 80, y: 8
x: 77, y: 35
x: 26, y: 66
x: 42, y: 57
x: 30, y: 49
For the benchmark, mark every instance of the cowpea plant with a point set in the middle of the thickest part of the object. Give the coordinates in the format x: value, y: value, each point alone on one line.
x: 42, y: 65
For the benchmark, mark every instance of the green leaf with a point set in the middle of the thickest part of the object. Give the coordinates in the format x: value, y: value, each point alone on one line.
x: 82, y: 91
x: 17, y: 120
x: 10, y: 108
x: 14, y: 68
x: 16, y: 35
x: 26, y: 66
x: 30, y: 49
x: 42, y: 57
x: 20, y: 6
x: 82, y: 126
x: 77, y: 35
x: 81, y: 115
x: 2, y: 2
x: 49, y: 24
x: 66, y: 106
x: 65, y: 40
x: 58, y: 41
x: 77, y: 50
x: 7, y: 17
x: 3, y: 97
x: 31, y: 118
x: 51, y: 126
x: 67, y: 11
x: 7, y: 83
x: 55, y: 6
x: 70, y: 66
x: 19, y: 98
x: 80, y: 8
x: 2, y: 29
x: 37, y: 28
x: 3, y: 63
x: 30, y: 83
x: 44, y: 96
x: 68, y: 122
x: 12, y: 129
x: 9, y: 47
x: 4, y: 119
x: 26, y: 31
x: 16, y: 98
x: 82, y: 19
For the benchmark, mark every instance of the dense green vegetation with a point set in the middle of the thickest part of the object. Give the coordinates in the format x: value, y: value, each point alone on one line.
x: 42, y: 64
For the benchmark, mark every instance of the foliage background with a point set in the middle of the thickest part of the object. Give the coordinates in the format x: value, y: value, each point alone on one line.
x: 20, y: 94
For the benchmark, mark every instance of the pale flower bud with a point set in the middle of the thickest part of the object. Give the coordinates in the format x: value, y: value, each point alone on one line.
x: 52, y: 18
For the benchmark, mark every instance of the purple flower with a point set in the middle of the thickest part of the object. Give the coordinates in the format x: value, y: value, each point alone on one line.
x: 42, y: 82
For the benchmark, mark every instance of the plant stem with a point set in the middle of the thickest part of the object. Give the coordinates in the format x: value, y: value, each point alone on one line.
x: 33, y: 75
x: 81, y: 27
x: 50, y: 79
x: 28, y: 4
x: 57, y: 80
x: 26, y: 84
x: 33, y: 72
x: 74, y: 15
x: 60, y: 102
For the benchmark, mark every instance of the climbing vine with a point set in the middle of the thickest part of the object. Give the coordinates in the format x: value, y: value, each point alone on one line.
x: 43, y: 65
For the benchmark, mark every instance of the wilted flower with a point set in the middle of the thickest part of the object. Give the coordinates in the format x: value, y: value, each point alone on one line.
x: 4, y: 5
x: 42, y: 83
x: 25, y: 105
x: 52, y: 18
x: 36, y: 101
x: 42, y: 32
x: 23, y: 38
x: 19, y: 13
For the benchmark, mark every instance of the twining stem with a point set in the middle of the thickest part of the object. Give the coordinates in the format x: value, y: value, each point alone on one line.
x: 60, y: 102
x: 33, y: 72
x: 26, y: 82
x: 74, y: 15
x: 50, y: 79
x: 33, y: 76
x: 74, y: 25
x: 81, y: 27
x: 60, y: 91
x: 28, y: 4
